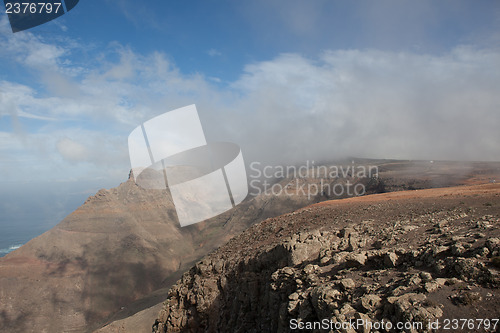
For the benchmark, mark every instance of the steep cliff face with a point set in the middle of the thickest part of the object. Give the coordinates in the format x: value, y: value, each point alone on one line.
x: 408, y: 257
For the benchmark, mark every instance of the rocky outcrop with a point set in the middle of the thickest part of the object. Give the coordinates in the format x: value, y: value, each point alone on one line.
x: 415, y: 260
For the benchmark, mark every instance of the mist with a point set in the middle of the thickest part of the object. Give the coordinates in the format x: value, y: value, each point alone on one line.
x: 366, y: 104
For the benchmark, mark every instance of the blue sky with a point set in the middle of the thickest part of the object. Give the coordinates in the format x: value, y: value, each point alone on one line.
x: 288, y: 80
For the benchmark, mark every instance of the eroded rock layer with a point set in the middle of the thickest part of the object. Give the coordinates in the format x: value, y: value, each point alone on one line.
x: 410, y: 257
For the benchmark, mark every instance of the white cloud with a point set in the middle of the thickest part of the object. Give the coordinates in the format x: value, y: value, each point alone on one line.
x: 214, y: 53
x: 72, y: 151
x: 19, y: 100
x: 28, y: 49
x: 291, y: 108
x: 137, y: 14
x: 373, y: 103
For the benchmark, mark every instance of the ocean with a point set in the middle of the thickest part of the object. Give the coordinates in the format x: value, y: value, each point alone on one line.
x: 9, y: 249
x: 29, y: 209
x: 15, y: 233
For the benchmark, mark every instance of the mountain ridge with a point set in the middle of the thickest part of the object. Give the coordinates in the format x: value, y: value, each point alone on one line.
x: 73, y: 277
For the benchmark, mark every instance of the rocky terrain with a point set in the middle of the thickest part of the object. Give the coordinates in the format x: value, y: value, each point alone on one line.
x: 425, y: 257
x: 109, y: 265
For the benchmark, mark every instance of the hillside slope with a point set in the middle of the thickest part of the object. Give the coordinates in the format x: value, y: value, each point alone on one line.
x: 409, y: 257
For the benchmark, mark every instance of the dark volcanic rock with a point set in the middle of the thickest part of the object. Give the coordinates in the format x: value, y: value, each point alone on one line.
x: 401, y: 270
